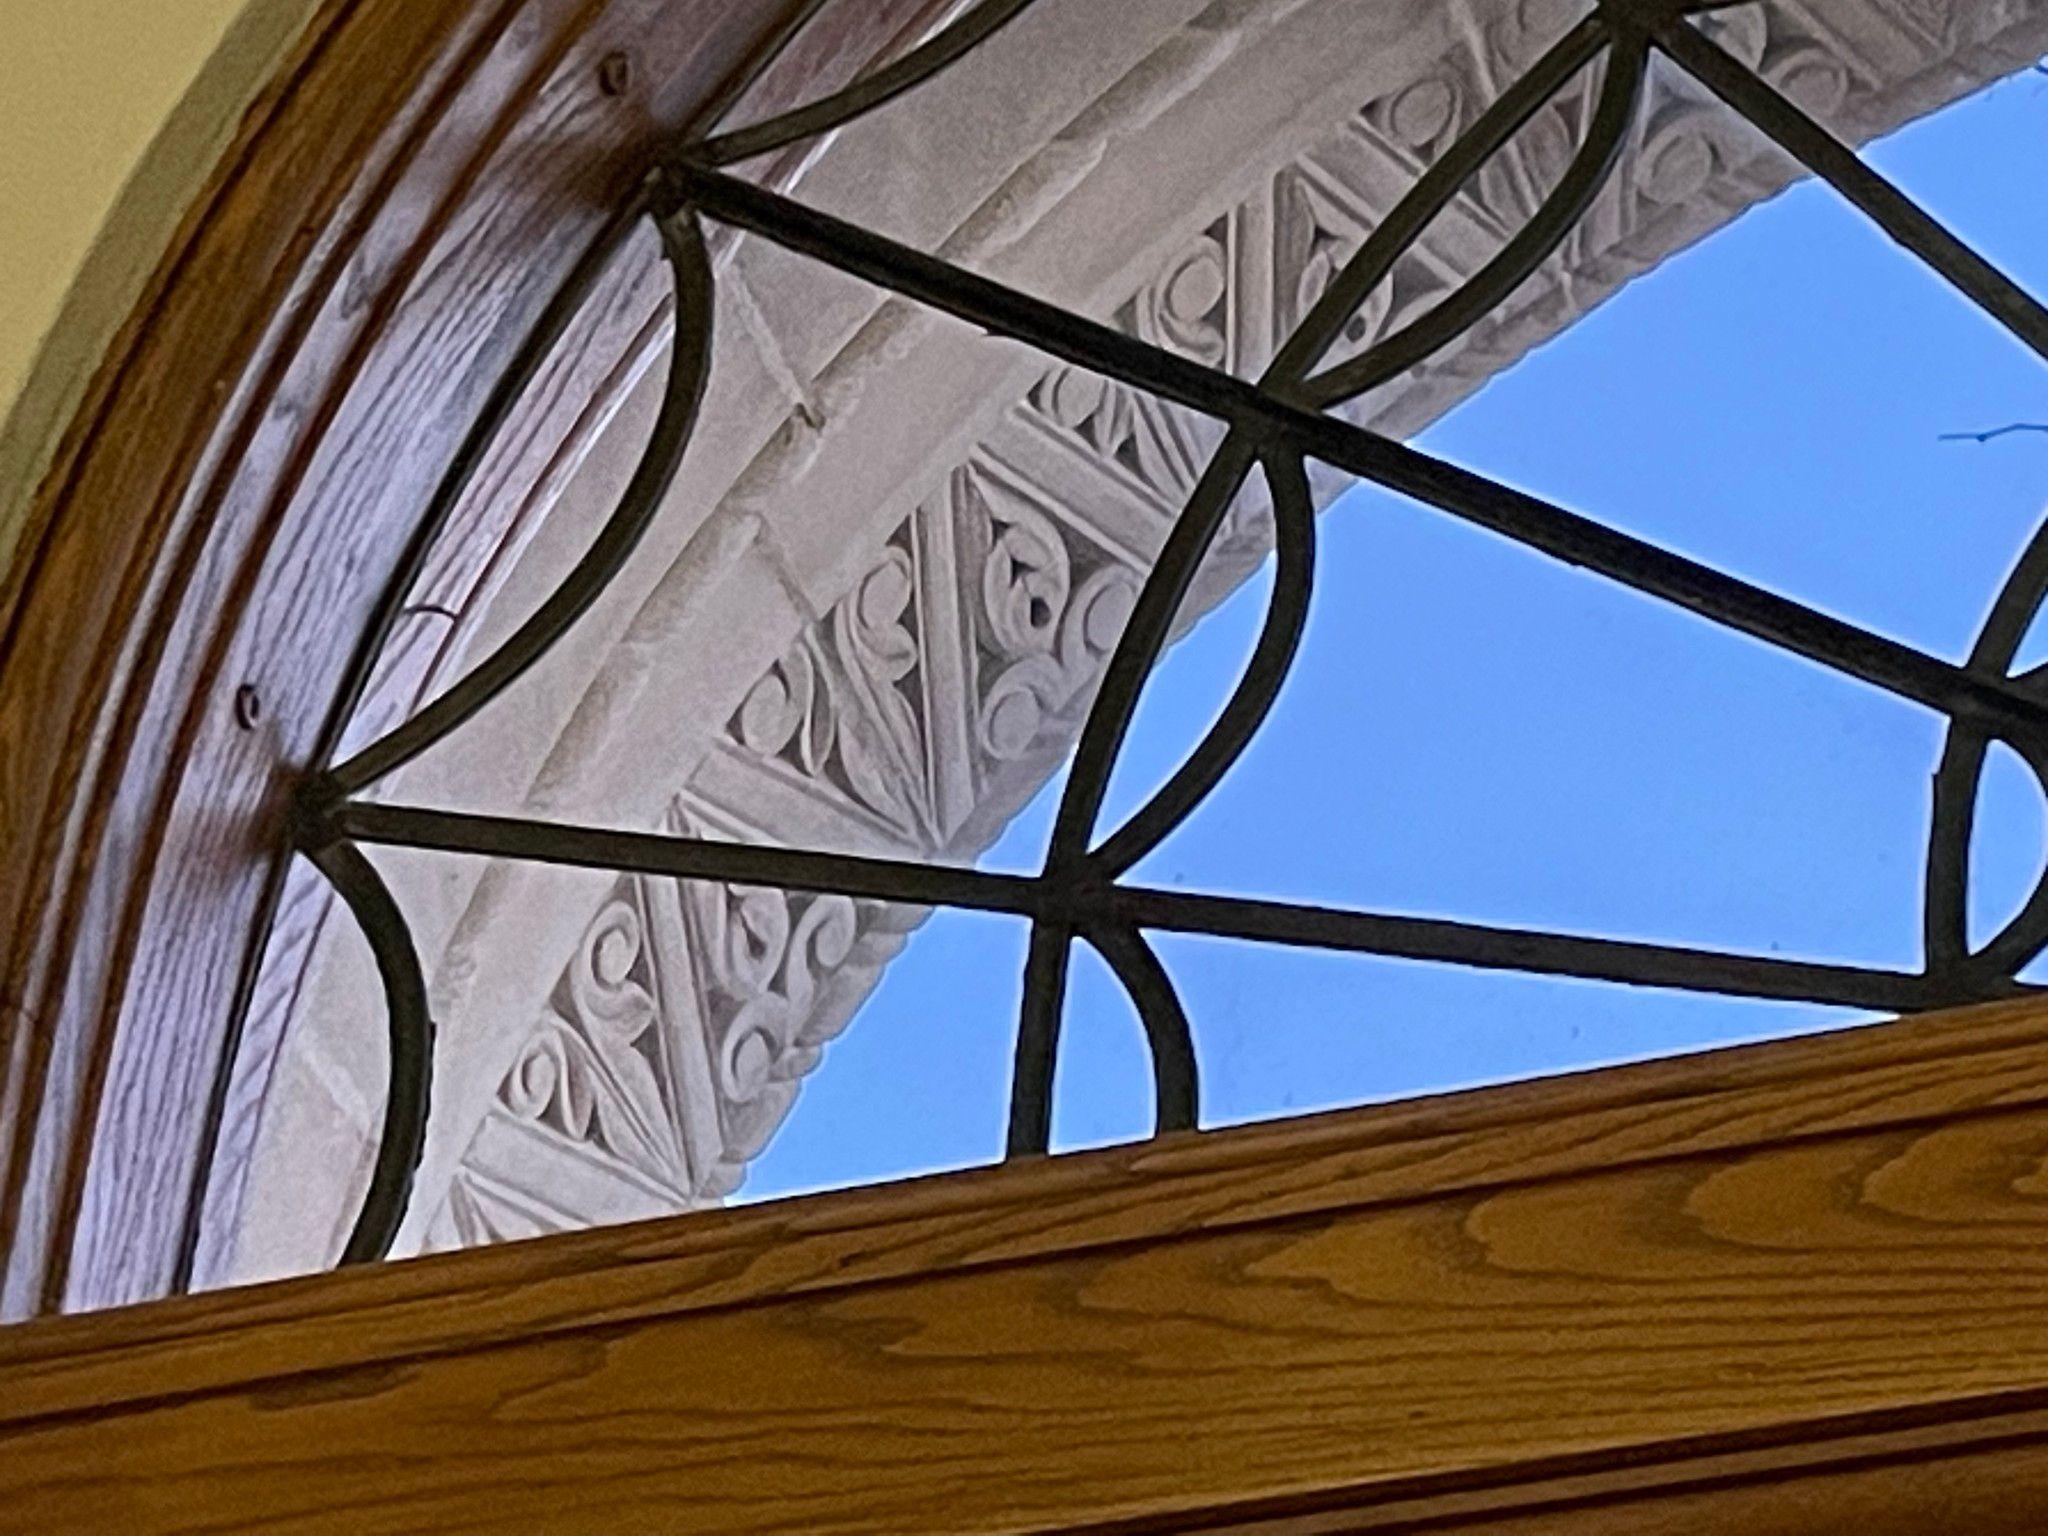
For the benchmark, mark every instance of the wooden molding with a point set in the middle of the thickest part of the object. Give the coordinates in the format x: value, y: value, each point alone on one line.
x: 1757, y: 1289
x: 228, y: 504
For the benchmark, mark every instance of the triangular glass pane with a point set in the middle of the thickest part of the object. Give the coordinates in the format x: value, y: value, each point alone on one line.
x: 826, y: 644
x: 1776, y: 402
x: 1474, y: 731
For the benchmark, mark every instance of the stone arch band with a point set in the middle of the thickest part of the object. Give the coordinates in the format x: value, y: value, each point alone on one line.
x: 1274, y: 425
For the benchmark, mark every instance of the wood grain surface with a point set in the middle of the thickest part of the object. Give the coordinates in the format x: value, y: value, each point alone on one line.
x: 1753, y: 1276
x: 228, y: 505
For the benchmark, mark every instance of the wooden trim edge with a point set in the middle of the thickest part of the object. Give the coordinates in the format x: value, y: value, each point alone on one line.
x: 1922, y: 1070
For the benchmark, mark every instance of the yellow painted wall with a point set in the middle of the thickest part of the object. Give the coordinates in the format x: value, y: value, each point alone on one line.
x: 111, y: 114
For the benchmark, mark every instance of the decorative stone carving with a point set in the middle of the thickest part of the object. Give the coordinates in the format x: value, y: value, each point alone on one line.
x: 946, y: 684
x: 839, y: 706
x: 668, y: 1054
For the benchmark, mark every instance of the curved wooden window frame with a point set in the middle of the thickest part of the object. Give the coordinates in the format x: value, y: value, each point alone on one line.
x: 231, y: 501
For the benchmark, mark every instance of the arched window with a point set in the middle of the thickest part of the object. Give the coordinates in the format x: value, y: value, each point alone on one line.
x: 1642, y: 697
x: 1255, y: 429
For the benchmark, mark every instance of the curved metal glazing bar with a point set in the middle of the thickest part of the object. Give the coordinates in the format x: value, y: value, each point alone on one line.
x: 1628, y: 61
x: 409, y: 1092
x: 1958, y: 780
x: 863, y: 95
x: 1842, y: 168
x: 1102, y: 736
x: 498, y: 405
x: 1272, y: 658
x: 1145, y: 633
x: 1297, y: 354
x: 476, y: 442
x: 2025, y: 934
x: 1176, y: 1075
x: 411, y: 1029
x: 689, y: 370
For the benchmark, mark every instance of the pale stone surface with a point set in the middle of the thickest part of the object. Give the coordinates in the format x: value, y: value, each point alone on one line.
x: 875, y: 607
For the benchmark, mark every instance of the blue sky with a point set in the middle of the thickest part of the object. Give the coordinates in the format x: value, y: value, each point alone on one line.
x: 1473, y: 731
